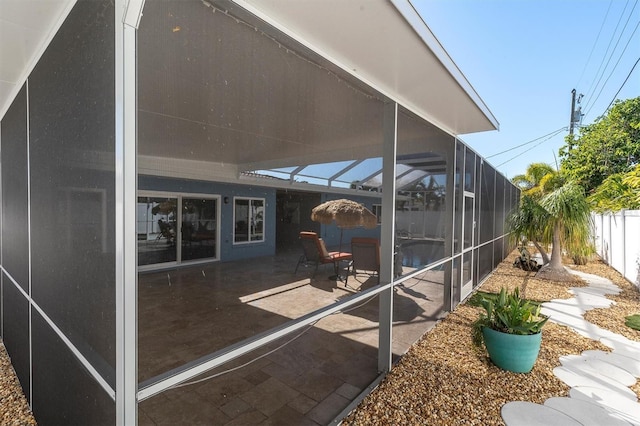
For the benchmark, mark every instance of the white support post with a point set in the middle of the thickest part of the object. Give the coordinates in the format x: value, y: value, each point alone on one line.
x: 387, y: 234
x: 128, y: 14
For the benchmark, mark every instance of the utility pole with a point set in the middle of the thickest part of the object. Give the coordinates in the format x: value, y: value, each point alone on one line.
x: 576, y: 114
x: 573, y: 110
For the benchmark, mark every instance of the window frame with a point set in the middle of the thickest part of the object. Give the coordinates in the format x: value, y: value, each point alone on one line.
x: 250, y: 233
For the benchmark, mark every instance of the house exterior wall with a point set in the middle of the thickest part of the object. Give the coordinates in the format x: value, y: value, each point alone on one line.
x: 228, y: 250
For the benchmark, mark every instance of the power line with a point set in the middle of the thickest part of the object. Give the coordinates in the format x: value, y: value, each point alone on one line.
x: 623, y: 83
x: 614, y: 48
x: 524, y: 152
x: 615, y: 66
x: 551, y: 134
x: 595, y: 43
x: 588, y: 93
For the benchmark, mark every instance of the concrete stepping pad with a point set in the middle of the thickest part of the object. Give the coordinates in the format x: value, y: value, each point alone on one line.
x: 598, y: 366
x: 564, y: 306
x: 595, y: 281
x: 622, y: 407
x: 577, y: 323
x: 524, y: 413
x: 575, y: 378
x: 585, y: 412
x: 596, y: 291
x: 589, y: 301
x: 629, y: 364
x: 622, y: 346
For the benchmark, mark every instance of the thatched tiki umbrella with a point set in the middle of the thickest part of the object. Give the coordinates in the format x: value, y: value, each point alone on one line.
x: 346, y: 214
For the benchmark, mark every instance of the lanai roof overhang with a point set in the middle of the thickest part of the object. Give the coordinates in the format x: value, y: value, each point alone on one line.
x: 383, y: 47
x: 387, y: 45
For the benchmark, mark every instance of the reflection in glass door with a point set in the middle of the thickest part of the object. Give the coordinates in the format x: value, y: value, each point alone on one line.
x: 156, y: 229
x: 199, y: 228
x: 174, y: 229
x: 468, y: 225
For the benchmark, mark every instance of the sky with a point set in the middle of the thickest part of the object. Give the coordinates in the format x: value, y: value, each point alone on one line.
x: 524, y: 57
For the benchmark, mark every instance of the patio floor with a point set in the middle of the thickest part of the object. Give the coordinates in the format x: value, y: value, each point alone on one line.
x: 190, y: 312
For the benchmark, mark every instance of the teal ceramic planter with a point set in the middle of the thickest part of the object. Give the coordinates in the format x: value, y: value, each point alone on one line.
x: 512, y: 352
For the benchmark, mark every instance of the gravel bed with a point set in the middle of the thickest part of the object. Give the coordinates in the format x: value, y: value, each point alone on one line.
x: 14, y: 409
x: 444, y: 380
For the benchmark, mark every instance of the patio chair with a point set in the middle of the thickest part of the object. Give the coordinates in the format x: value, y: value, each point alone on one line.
x: 315, y: 253
x: 365, y: 253
x: 165, y: 232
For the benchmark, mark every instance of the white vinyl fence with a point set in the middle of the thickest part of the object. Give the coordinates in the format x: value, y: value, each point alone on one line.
x: 617, y: 240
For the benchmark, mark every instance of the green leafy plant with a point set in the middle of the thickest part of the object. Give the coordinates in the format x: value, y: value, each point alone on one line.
x: 508, y: 313
x: 633, y: 321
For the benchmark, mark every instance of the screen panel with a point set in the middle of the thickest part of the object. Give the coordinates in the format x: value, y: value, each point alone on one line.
x: 72, y: 151
x: 16, y: 330
x: 499, y: 206
x: 15, y: 256
x: 498, y: 251
x: 487, y: 203
x: 423, y: 216
x: 234, y: 99
x: 459, y: 197
x: 485, y: 261
x: 63, y: 390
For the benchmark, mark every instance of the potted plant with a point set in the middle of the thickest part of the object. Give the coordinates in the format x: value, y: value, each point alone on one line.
x: 511, y: 330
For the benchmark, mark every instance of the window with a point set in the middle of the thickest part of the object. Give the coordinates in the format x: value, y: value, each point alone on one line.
x: 248, y: 218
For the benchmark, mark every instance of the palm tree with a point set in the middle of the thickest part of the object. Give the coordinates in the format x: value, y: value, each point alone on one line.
x: 535, y: 178
x: 530, y: 219
x: 568, y: 224
x: 551, y: 211
x: 527, y: 222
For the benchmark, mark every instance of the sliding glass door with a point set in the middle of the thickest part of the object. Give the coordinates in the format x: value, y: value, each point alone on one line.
x: 156, y: 228
x: 173, y: 229
x: 199, y: 228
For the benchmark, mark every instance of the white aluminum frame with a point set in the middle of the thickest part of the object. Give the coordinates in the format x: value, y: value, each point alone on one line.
x: 127, y: 19
x: 264, y: 231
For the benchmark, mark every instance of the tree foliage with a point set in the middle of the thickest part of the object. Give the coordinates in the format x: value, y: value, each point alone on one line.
x: 568, y: 211
x: 618, y: 191
x: 609, y: 146
x: 533, y: 177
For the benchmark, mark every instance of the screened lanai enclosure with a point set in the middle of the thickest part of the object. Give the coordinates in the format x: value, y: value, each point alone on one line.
x: 159, y: 161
